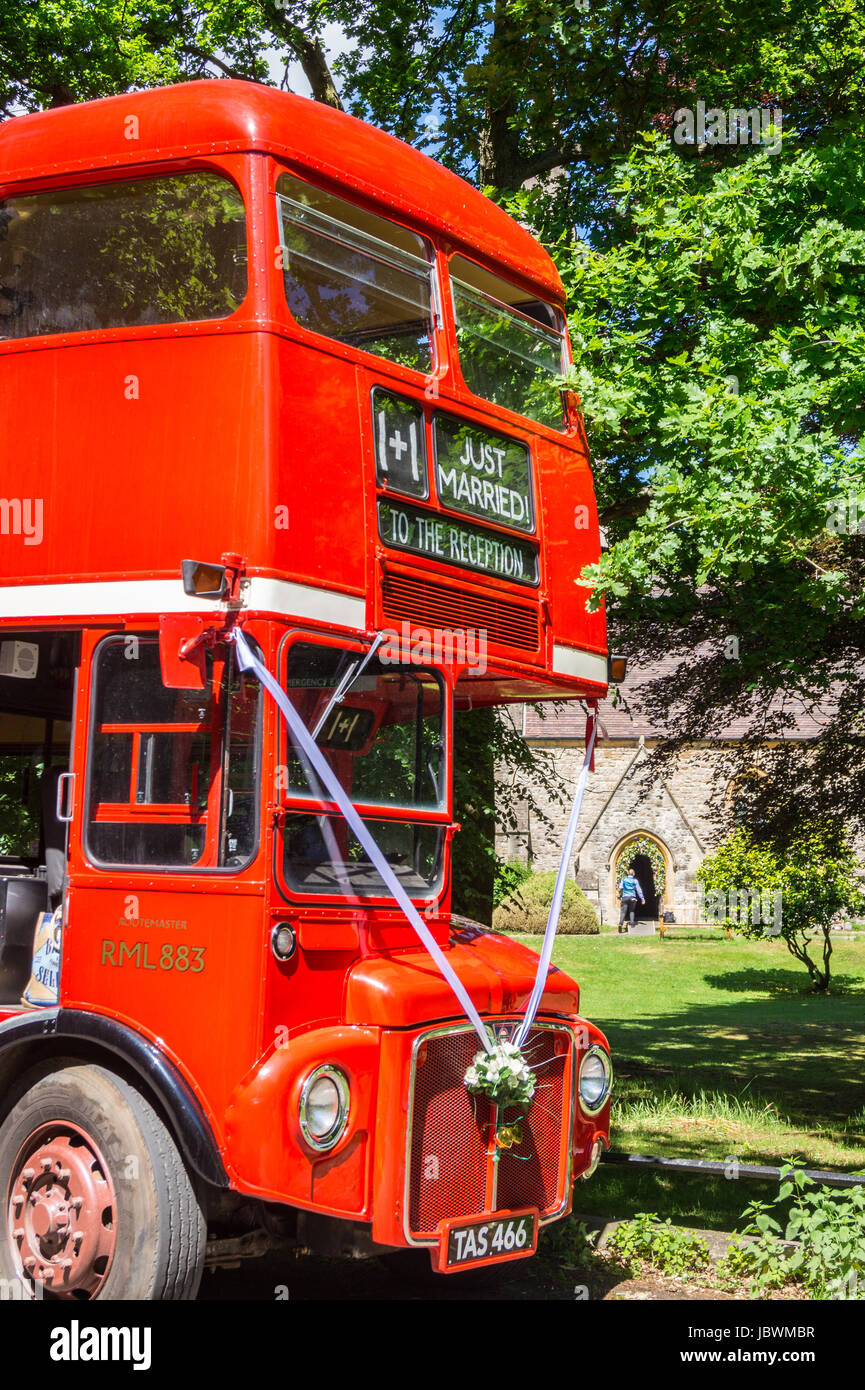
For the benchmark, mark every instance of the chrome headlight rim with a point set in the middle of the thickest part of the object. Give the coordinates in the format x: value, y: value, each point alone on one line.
x: 585, y: 1106
x: 322, y: 1143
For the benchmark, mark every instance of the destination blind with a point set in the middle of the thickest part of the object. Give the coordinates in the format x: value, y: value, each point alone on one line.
x: 483, y: 474
x: 457, y: 543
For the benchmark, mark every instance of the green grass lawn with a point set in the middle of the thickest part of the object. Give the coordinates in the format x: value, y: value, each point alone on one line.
x: 719, y: 1051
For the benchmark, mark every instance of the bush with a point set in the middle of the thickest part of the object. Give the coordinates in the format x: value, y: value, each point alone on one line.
x: 509, y: 877
x: 526, y: 908
x: 827, y: 1228
x: 665, y: 1247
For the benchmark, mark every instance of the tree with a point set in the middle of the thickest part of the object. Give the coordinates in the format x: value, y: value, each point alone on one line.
x: 52, y: 54
x: 720, y: 354
x: 486, y: 742
x: 510, y: 90
x: 794, y: 890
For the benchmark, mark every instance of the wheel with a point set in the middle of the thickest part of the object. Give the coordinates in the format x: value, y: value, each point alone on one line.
x: 97, y: 1202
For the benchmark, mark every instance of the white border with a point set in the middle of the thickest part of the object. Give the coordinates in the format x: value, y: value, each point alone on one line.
x: 32, y: 601
x: 587, y: 666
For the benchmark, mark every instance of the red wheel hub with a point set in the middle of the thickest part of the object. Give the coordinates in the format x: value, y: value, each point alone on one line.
x: 61, y: 1212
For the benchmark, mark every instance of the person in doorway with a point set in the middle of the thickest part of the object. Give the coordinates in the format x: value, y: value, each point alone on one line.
x: 629, y: 892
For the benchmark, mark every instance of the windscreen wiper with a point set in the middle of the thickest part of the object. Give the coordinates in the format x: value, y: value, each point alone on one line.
x: 347, y: 681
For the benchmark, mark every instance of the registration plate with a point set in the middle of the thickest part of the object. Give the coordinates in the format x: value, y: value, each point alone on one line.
x: 487, y: 1240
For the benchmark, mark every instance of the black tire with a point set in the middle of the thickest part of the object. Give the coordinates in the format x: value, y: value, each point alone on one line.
x: 147, y: 1201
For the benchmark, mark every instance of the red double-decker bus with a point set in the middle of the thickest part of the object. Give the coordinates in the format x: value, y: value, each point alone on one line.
x: 267, y: 371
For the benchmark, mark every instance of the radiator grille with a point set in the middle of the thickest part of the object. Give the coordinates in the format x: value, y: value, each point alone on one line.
x: 452, y: 1170
x: 532, y: 1179
x: 450, y: 1136
x: 433, y: 605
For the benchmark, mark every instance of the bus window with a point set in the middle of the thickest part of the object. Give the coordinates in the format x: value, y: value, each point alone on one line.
x: 511, y: 348
x: 116, y: 255
x: 320, y: 855
x: 156, y: 761
x: 384, y: 739
x: 356, y: 277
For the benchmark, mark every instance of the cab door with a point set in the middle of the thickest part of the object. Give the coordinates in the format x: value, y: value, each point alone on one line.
x: 166, y: 922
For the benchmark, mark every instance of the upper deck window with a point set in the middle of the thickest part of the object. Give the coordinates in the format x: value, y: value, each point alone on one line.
x: 511, y: 346
x: 356, y: 277
x: 117, y: 255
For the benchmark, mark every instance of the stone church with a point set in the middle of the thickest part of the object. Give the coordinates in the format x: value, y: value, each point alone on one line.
x: 664, y: 822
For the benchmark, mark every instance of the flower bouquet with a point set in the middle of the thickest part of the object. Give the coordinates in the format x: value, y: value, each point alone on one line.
x: 502, y: 1075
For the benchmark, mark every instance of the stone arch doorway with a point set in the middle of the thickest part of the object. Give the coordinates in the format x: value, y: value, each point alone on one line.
x: 653, y: 869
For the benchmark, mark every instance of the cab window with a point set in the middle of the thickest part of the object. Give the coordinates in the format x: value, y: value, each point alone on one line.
x: 381, y: 729
x: 172, y: 774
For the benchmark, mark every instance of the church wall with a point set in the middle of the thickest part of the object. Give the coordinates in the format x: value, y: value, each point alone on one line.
x: 676, y: 811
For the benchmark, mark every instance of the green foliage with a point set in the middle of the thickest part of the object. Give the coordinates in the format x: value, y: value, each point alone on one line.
x: 508, y: 877
x: 827, y: 1226
x: 794, y: 889
x: 487, y: 739
x: 667, y: 1248
x: 720, y: 351
x: 527, y: 907
x: 19, y: 802
x: 570, y: 1242
x: 507, y: 92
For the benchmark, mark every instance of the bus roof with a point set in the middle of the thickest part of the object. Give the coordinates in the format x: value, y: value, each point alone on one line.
x: 223, y: 116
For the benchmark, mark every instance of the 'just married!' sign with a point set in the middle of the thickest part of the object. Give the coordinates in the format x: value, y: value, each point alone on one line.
x: 483, y: 474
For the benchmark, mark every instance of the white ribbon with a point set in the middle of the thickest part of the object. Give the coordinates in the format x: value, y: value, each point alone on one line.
x: 558, y: 893
x: 302, y: 738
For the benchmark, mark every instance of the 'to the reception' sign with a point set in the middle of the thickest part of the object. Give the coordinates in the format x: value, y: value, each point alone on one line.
x: 457, y: 543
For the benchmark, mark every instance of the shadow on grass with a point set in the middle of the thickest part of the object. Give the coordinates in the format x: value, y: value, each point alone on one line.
x: 806, y: 1054
x: 708, y: 1203
x: 783, y: 982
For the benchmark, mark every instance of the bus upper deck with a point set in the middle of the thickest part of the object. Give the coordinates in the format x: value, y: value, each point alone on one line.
x: 232, y: 320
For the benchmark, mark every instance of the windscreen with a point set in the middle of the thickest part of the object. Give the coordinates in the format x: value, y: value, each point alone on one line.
x: 380, y: 728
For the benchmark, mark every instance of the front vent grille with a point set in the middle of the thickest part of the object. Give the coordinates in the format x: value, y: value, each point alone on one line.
x: 454, y: 1169
x: 426, y: 604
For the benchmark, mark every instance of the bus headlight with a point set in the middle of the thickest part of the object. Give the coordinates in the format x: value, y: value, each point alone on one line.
x: 596, y: 1079
x: 324, y: 1107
